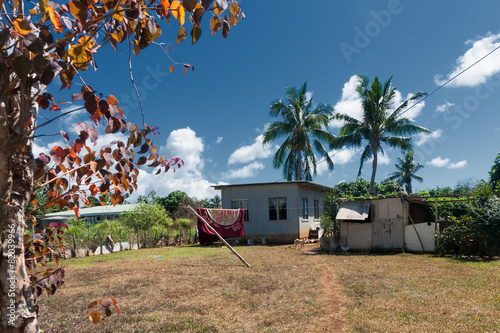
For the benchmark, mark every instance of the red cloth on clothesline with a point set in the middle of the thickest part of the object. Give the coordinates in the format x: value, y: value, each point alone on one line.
x: 228, y: 223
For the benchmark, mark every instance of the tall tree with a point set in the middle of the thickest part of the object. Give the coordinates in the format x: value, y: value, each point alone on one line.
x: 303, y: 126
x: 382, y: 122
x: 407, y: 169
x: 39, y: 42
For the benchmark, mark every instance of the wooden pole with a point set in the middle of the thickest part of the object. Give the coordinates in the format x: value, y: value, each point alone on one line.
x: 220, y: 237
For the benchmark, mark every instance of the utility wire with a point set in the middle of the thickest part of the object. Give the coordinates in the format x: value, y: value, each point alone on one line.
x: 453, y: 78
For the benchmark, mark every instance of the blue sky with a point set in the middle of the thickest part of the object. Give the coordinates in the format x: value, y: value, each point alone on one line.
x: 213, y: 118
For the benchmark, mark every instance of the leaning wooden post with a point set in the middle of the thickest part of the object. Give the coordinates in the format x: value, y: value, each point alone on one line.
x: 220, y: 237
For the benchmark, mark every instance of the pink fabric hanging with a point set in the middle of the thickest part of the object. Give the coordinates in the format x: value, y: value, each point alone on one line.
x: 229, y: 223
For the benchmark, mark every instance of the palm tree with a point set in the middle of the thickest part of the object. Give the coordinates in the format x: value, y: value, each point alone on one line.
x: 381, y: 123
x: 407, y: 170
x: 302, y: 127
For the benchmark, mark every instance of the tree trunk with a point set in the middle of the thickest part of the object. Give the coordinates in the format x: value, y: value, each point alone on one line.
x: 298, y: 171
x: 17, y: 308
x: 374, y: 170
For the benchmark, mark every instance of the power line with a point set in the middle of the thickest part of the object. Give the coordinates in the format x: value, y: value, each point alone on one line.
x: 453, y: 78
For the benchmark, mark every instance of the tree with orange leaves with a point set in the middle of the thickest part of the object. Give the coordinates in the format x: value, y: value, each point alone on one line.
x: 44, y: 41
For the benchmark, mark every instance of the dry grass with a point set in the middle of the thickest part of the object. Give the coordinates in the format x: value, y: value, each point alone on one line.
x: 193, y: 289
x: 418, y: 293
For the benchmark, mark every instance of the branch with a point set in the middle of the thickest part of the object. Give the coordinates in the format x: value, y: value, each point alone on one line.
x: 56, y: 271
x: 133, y: 83
x: 59, y: 116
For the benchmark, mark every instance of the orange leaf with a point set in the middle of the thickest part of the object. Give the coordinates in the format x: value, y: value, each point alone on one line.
x: 94, y: 316
x: 181, y: 35
x: 215, y: 24
x: 165, y: 4
x: 178, y: 11
x: 56, y: 19
x: 112, y: 100
x: 22, y: 27
x: 79, y: 11
x: 217, y: 10
x: 172, y: 68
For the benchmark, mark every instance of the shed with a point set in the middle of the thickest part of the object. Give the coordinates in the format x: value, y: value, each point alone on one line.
x: 385, y: 224
x: 279, y: 211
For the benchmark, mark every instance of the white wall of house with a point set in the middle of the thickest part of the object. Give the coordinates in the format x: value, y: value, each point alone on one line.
x: 259, y: 224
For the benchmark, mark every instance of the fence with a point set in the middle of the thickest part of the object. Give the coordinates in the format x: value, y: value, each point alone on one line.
x: 95, y: 240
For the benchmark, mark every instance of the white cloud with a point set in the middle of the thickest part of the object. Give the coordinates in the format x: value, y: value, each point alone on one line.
x: 350, y: 103
x: 445, y: 162
x: 422, y: 138
x: 382, y: 159
x: 413, y: 110
x: 482, y: 71
x: 439, y: 162
x: 219, y: 139
x: 247, y: 171
x: 339, y: 157
x: 444, y: 107
x: 182, y: 143
x: 255, y: 151
x: 458, y: 165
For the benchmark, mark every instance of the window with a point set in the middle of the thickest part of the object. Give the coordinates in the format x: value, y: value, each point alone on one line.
x: 277, y: 209
x: 305, y: 208
x: 316, y: 209
x: 98, y: 218
x: 240, y: 204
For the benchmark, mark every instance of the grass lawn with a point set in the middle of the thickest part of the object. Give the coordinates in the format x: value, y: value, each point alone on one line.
x: 207, y: 289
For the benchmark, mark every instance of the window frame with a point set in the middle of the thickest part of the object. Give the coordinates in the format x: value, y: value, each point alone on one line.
x: 240, y: 201
x: 280, y: 209
x: 316, y: 209
x: 304, y: 208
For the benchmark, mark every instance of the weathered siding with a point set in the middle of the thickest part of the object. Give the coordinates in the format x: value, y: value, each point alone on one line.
x: 356, y: 235
x: 259, y: 226
x: 306, y: 225
x: 426, y: 233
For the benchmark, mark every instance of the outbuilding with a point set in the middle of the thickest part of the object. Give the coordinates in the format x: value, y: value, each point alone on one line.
x: 386, y: 223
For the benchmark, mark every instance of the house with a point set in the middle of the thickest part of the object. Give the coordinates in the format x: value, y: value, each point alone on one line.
x: 279, y: 211
x: 386, y: 223
x: 92, y: 215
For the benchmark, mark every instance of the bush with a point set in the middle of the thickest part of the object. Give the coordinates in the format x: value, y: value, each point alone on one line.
x: 478, y: 234
x: 329, y: 223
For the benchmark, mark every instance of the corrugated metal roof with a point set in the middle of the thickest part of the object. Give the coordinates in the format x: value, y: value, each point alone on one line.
x: 298, y: 182
x: 354, y: 211
x: 96, y: 211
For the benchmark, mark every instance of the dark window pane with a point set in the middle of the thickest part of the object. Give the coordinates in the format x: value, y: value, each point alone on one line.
x: 273, y: 207
x: 282, y: 207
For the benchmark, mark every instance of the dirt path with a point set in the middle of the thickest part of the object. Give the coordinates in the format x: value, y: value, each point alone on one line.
x: 333, y: 321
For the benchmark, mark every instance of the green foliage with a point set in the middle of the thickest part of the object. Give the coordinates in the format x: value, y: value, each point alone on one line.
x: 329, y: 222
x: 145, y: 216
x: 495, y: 173
x: 214, y: 202
x: 302, y: 128
x: 478, y: 234
x: 172, y: 201
x: 407, y: 169
x: 382, y: 123
x: 361, y: 188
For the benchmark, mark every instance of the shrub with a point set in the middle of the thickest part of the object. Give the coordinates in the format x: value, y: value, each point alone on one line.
x: 478, y: 234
